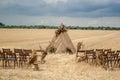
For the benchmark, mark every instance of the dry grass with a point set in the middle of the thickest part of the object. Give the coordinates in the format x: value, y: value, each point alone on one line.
x: 30, y: 38
x: 59, y: 66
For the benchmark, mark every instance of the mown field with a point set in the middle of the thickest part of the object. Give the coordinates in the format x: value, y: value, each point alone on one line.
x: 59, y: 66
x: 31, y: 38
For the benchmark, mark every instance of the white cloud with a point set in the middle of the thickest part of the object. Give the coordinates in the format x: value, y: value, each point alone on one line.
x: 54, y: 1
x: 52, y: 20
x: 53, y: 12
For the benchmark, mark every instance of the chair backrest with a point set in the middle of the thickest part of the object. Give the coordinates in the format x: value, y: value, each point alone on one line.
x: 27, y: 52
x: 111, y: 52
x: 99, y: 50
x: 106, y: 50
x: 81, y: 50
x: 80, y: 53
x: 40, y: 50
x: 2, y: 56
x: 118, y: 52
x: 20, y: 51
x: 0, y: 53
x: 7, y: 51
x: 88, y: 51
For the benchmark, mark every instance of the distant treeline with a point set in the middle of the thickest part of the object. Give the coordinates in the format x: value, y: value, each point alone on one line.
x: 55, y: 27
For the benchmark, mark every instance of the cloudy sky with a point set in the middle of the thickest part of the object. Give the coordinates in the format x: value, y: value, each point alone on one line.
x: 55, y: 12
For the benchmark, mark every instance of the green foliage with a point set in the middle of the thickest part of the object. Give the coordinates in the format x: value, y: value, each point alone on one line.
x: 80, y: 43
x: 1, y: 24
x: 56, y: 27
x: 59, y: 31
x: 52, y: 49
x: 69, y: 50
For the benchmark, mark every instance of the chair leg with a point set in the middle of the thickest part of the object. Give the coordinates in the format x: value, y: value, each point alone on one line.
x: 20, y: 63
x: 92, y: 60
x: 3, y: 63
x: 14, y: 64
x: 119, y: 63
x: 111, y: 64
x: 115, y: 63
x: 107, y: 63
x: 87, y: 59
x: 17, y: 63
x: 8, y: 63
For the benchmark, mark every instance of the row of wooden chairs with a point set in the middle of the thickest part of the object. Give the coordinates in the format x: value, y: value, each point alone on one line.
x: 105, y: 57
x: 109, y: 58
x: 16, y: 57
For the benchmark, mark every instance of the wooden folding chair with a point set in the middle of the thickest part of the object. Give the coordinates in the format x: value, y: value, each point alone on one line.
x: 111, y: 57
x: 104, y: 57
x: 41, y: 54
x: 80, y: 54
x: 2, y: 58
x: 27, y: 54
x: 99, y: 53
x: 20, y: 57
x: 106, y: 50
x: 118, y: 58
x: 9, y: 57
x: 90, y: 55
x: 100, y: 50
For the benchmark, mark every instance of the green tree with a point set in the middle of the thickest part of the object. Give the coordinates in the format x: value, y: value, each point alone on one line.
x: 1, y: 24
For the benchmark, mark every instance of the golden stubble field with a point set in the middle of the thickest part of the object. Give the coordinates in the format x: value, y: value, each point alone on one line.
x: 59, y: 66
x: 31, y: 38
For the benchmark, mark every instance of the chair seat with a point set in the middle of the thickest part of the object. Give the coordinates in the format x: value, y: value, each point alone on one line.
x: 11, y: 59
x: 1, y: 58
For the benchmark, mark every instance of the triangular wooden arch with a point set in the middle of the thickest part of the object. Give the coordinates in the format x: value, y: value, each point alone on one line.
x: 62, y: 41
